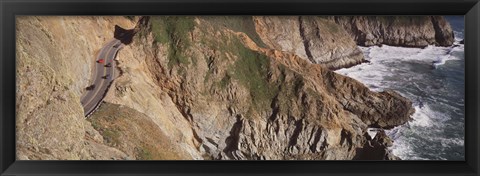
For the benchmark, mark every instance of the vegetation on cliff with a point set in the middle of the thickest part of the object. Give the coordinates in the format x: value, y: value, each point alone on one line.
x: 256, y: 90
x: 173, y: 31
x: 133, y: 133
x: 211, y: 88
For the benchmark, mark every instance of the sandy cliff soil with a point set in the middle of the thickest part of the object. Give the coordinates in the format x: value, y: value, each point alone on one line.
x: 55, y: 56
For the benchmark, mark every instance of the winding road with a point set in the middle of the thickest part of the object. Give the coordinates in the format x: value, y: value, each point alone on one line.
x: 91, y: 99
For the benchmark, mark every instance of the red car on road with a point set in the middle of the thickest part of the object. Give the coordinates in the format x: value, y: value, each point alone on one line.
x: 100, y: 61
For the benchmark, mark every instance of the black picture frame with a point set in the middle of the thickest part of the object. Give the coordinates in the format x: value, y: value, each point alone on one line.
x: 9, y: 9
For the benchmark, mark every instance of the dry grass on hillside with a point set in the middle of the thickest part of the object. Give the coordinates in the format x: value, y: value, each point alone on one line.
x: 134, y: 133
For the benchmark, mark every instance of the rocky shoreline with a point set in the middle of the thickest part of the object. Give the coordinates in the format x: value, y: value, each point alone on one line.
x: 225, y: 88
x: 327, y: 115
x: 404, y: 31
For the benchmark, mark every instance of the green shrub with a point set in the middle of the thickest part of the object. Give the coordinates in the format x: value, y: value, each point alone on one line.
x: 174, y: 32
x: 251, y: 70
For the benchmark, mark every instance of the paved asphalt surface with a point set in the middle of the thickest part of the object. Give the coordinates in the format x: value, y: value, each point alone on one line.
x: 92, y: 98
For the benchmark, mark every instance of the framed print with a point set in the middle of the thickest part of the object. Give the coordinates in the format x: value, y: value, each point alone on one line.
x: 234, y: 88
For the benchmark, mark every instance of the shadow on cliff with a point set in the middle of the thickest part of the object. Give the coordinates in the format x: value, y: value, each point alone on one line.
x: 373, y: 149
x: 373, y: 152
x: 233, y: 140
x: 126, y: 35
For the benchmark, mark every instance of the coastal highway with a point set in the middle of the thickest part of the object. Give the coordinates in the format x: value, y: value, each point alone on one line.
x: 92, y: 98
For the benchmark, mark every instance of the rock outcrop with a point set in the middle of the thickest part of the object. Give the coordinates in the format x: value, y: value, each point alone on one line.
x: 244, y: 101
x: 316, y: 39
x: 206, y: 87
x: 406, y: 31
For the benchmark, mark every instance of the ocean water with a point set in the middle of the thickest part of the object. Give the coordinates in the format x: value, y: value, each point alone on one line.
x: 433, y: 78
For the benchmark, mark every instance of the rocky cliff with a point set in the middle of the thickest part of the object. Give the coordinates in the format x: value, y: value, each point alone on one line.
x: 239, y: 98
x: 317, y: 39
x: 406, y: 31
x: 332, y: 41
x: 199, y: 88
x: 55, y: 56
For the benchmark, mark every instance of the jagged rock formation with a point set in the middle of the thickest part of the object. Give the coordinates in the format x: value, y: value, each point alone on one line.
x: 239, y: 100
x: 317, y: 39
x: 209, y: 87
x: 406, y: 31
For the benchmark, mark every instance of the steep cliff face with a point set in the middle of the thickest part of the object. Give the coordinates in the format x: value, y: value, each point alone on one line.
x: 407, y: 31
x: 55, y: 56
x: 316, y: 39
x: 136, y: 88
x: 238, y: 100
x: 199, y: 88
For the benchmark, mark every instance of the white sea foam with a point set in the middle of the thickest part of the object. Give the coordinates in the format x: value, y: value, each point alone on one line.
x: 388, y: 68
x: 426, y: 117
x: 458, y: 35
x: 405, y: 151
x: 446, y: 142
x: 449, y: 56
x: 422, y: 117
x: 427, y: 125
x: 372, y: 73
